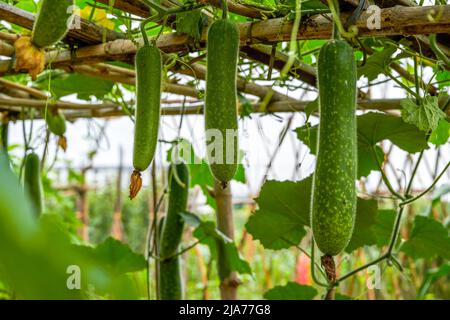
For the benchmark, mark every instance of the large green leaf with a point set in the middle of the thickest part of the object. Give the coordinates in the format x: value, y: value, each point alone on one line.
x: 430, y: 277
x: 116, y: 256
x: 365, y: 219
x: 376, y: 63
x: 425, y: 116
x: 383, y: 226
x: 373, y: 128
x: 283, y: 212
x: 428, y: 239
x: 372, y: 226
x: 291, y: 291
x: 191, y: 23
x: 440, y: 135
x: 35, y: 256
x: 64, y: 84
x: 208, y: 234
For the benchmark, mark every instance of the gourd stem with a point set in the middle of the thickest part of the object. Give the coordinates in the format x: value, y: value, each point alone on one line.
x: 338, y: 29
x: 142, y: 27
x: 224, y: 4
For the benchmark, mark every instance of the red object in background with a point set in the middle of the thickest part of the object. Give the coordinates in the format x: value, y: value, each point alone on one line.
x: 303, y: 270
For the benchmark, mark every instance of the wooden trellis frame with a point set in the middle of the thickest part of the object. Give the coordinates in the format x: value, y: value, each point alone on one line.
x: 98, y: 45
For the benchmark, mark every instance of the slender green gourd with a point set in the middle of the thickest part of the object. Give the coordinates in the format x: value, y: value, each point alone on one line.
x: 334, y: 191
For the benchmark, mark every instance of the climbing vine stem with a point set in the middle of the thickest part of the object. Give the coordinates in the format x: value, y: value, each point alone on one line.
x: 416, y: 167
x: 384, y: 177
x: 161, y: 13
x: 410, y: 200
x: 224, y: 4
x: 396, y: 228
x: 338, y: 30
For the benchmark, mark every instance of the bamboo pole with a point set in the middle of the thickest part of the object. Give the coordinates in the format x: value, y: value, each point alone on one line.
x: 6, y: 101
x: 112, y: 110
x: 195, y: 70
x: 229, y: 282
x: 136, y: 7
x: 394, y: 21
x: 8, y: 37
x: 6, y: 49
x: 263, y: 54
x: 198, y: 71
x: 31, y: 91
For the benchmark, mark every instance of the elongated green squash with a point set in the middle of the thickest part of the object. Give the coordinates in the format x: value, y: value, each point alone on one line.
x: 148, y: 111
x: 33, y: 182
x: 170, y: 279
x: 334, y: 191
x: 221, y: 122
x: 52, y: 22
x: 171, y: 284
x: 148, y: 88
x: 56, y: 122
x: 173, y: 223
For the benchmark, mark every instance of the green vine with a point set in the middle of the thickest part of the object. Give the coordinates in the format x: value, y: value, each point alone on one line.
x: 162, y: 13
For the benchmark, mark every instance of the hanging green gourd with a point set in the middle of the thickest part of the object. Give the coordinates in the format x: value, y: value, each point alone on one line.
x: 221, y: 118
x: 333, y: 208
x: 56, y: 123
x: 33, y: 182
x: 52, y: 22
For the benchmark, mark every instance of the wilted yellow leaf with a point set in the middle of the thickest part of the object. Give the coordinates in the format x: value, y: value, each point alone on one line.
x: 29, y: 57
